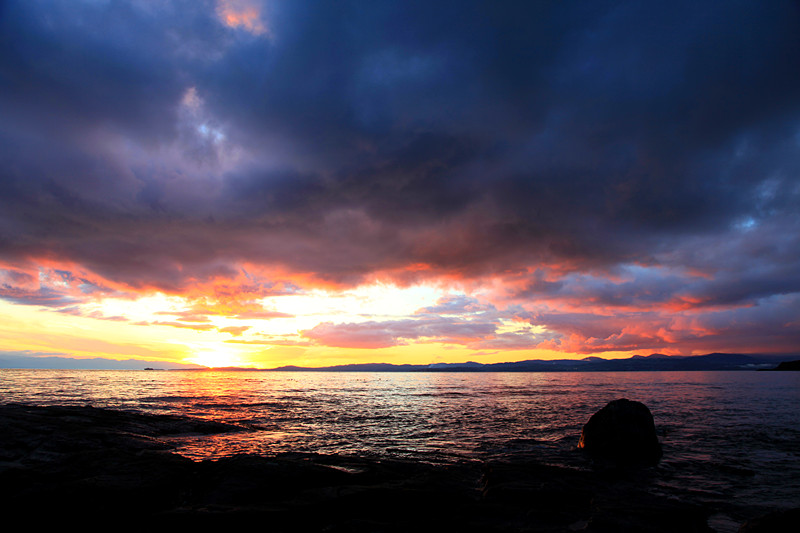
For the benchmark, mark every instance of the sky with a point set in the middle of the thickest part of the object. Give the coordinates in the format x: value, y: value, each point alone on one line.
x: 238, y: 182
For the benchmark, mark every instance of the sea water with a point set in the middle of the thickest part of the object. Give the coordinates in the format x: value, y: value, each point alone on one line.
x: 730, y: 439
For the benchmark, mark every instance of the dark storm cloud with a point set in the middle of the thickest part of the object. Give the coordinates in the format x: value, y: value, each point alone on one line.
x: 73, y: 66
x: 155, y: 146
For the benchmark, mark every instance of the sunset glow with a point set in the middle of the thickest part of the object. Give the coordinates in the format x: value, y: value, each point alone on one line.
x: 248, y: 183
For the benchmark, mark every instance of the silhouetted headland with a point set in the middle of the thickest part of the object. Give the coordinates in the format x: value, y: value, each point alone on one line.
x: 788, y: 365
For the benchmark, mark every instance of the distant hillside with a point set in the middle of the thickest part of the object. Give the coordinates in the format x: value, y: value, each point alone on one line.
x: 654, y: 362
x: 789, y: 365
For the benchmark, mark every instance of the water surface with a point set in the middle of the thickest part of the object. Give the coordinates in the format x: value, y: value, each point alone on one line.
x: 730, y: 438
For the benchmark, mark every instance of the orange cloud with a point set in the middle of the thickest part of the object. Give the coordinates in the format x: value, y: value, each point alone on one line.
x: 236, y: 331
x: 244, y: 14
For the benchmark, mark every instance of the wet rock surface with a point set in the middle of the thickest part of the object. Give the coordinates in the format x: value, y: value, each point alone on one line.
x: 94, y: 467
x: 622, y: 433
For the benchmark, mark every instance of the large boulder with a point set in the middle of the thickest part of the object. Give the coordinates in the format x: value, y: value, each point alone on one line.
x: 622, y: 433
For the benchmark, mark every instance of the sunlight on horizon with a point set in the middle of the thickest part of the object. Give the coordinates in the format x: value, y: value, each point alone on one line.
x: 297, y: 328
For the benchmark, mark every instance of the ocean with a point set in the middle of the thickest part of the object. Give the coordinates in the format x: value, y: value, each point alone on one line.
x: 730, y: 439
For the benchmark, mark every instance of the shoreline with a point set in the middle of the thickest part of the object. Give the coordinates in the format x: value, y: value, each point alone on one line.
x: 91, y: 465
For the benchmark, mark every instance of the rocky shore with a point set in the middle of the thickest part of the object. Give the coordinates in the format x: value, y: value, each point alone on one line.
x: 94, y: 467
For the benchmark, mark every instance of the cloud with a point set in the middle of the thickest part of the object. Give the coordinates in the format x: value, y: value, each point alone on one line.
x: 457, y: 305
x: 244, y: 14
x: 197, y: 327
x: 617, y: 159
x: 383, y: 334
x: 48, y: 287
x: 236, y: 331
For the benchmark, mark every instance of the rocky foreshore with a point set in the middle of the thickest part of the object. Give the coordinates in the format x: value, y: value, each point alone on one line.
x: 90, y: 466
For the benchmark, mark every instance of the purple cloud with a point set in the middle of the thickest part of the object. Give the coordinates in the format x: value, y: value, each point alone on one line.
x: 610, y: 159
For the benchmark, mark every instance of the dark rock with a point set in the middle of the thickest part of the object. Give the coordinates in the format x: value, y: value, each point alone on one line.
x: 626, y: 509
x: 786, y: 521
x: 534, y: 497
x: 622, y: 433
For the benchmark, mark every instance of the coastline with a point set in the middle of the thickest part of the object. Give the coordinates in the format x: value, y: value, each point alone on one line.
x: 89, y: 465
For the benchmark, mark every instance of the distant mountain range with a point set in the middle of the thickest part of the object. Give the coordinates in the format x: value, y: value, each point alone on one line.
x: 713, y: 361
